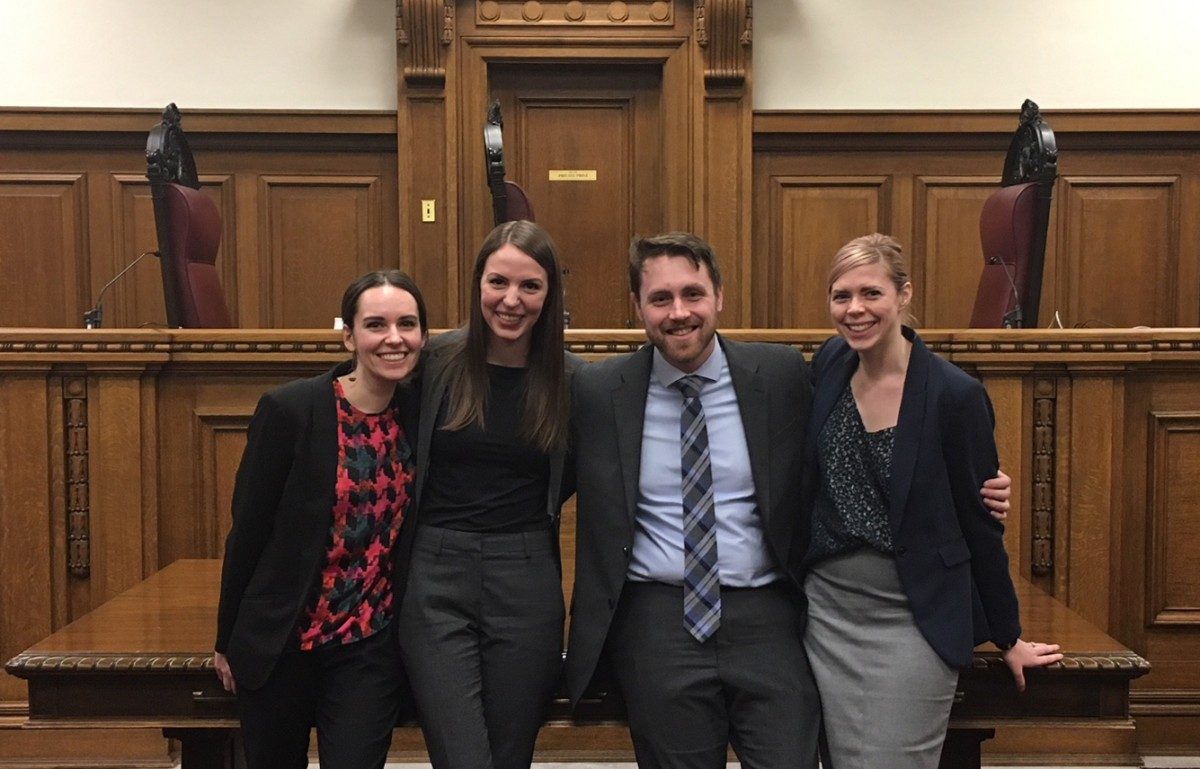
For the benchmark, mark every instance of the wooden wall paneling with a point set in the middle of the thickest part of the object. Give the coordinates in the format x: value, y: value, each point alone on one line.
x: 427, y: 151
x: 1161, y: 594
x: 44, y: 266
x: 579, y: 118
x: 316, y: 234
x: 1059, y: 582
x: 659, y: 168
x: 1097, y: 427
x: 26, y: 594
x: 946, y: 254
x: 723, y: 38
x: 221, y: 438
x: 202, y: 422
x: 252, y: 309
x: 811, y: 217
x: 1173, y: 576
x: 136, y: 298
x: 1119, y: 260
x: 425, y: 174
x: 1013, y: 444
x: 1188, y: 295
x: 727, y: 191
x: 151, y: 493
x: 115, y: 485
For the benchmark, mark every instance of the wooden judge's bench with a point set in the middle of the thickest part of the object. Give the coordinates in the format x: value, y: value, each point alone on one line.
x: 118, y: 451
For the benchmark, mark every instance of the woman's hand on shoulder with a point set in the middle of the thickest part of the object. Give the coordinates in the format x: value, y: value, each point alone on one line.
x: 221, y: 664
x: 1029, y: 654
x: 995, y: 493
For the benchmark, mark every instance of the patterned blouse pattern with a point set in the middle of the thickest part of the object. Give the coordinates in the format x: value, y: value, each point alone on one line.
x: 374, y: 485
x: 856, y: 468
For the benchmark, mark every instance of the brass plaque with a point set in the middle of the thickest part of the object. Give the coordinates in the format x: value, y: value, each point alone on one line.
x: 572, y: 175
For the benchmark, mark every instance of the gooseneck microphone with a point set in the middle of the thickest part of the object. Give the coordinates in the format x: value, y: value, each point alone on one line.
x: 95, y: 316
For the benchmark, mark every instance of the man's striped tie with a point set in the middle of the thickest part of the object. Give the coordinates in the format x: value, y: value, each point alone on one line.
x: 701, y: 580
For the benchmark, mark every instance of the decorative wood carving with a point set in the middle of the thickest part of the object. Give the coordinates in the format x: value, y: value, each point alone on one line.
x: 574, y: 13
x: 724, y: 32
x: 423, y: 29
x: 1045, y: 399
x: 75, y: 425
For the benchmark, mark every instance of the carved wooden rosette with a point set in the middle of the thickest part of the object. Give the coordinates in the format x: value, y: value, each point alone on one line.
x: 424, y: 28
x: 1045, y: 396
x: 75, y: 425
x: 574, y: 13
x: 724, y: 33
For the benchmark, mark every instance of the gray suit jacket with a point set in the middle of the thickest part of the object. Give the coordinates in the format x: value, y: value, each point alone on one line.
x: 608, y: 409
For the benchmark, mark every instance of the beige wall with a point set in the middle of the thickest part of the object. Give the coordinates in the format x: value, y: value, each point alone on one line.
x: 960, y: 54
x: 262, y: 54
x: 808, y: 54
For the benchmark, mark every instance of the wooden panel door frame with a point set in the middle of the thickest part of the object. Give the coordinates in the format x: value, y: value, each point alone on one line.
x: 444, y: 50
x: 479, y: 54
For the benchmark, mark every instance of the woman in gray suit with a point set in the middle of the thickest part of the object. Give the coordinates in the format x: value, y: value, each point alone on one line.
x: 482, y: 617
x: 906, y: 567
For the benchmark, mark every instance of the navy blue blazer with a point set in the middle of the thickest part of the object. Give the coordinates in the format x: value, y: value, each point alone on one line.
x: 949, y: 549
x: 283, y: 501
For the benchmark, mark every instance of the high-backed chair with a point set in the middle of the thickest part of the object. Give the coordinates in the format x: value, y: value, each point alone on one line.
x: 1012, y: 228
x: 189, y: 230
x: 509, y: 201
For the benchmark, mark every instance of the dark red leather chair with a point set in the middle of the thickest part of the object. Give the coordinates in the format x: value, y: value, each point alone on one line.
x: 509, y: 201
x: 1012, y: 228
x: 189, y: 230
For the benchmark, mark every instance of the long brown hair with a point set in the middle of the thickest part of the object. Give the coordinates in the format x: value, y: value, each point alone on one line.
x: 544, y: 403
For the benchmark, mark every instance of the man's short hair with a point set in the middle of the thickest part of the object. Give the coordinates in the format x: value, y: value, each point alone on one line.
x: 684, y: 244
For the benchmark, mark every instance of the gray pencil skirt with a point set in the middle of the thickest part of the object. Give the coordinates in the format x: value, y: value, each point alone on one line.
x: 885, y: 693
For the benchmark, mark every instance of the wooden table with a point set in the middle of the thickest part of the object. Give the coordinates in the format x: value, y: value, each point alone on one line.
x: 143, y: 660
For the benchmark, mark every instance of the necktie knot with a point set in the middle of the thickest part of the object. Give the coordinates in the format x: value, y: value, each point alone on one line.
x: 690, y: 385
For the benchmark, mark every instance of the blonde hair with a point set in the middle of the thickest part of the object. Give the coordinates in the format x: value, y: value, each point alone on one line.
x: 875, y: 248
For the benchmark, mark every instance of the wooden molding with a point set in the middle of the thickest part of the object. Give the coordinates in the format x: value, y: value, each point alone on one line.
x: 724, y: 34
x: 106, y: 663
x: 423, y: 29
x: 573, y: 13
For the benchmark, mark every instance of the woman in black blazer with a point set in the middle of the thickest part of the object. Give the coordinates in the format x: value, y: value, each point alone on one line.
x: 482, y: 619
x: 906, y: 567
x: 305, y: 626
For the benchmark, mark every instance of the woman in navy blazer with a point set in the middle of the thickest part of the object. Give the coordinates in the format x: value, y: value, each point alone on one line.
x: 906, y: 567
x: 305, y: 630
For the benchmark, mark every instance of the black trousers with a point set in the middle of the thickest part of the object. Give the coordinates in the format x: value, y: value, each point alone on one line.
x: 350, y: 693
x: 748, y: 686
x: 481, y: 633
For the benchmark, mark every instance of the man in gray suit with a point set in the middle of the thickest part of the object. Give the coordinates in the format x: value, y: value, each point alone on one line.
x: 696, y: 615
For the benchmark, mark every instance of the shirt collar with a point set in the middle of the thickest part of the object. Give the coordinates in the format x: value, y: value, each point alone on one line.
x: 710, y: 370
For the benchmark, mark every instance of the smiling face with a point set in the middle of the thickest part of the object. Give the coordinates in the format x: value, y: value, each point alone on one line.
x: 865, y: 306
x: 678, y: 305
x: 512, y: 290
x: 385, y: 335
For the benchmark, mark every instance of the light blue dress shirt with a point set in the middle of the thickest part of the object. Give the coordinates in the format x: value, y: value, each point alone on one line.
x: 742, y: 557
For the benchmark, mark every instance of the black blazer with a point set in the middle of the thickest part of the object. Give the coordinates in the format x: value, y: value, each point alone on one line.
x: 283, y: 501
x: 949, y: 549
x: 608, y: 413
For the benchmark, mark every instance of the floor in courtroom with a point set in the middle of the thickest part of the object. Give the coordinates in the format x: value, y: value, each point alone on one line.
x: 1150, y: 762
